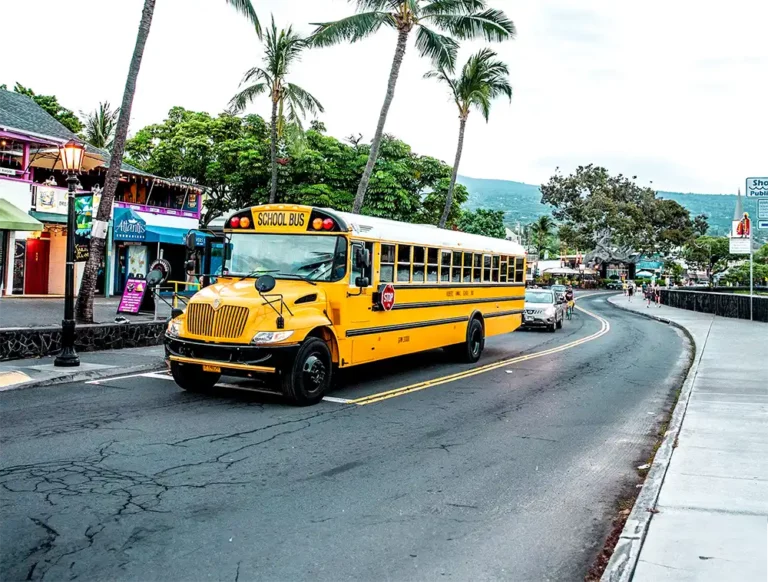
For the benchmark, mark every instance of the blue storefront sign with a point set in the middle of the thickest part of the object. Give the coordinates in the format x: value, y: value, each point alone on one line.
x: 128, y: 226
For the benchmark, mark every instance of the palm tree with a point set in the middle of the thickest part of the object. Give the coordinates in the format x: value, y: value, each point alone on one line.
x: 482, y: 79
x: 462, y: 19
x: 282, y: 49
x: 541, y: 230
x: 96, y: 248
x: 99, y: 130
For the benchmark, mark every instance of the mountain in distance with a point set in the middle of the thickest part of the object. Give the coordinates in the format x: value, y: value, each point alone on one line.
x: 522, y: 203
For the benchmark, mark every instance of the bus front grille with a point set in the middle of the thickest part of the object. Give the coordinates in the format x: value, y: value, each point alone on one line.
x: 227, y: 322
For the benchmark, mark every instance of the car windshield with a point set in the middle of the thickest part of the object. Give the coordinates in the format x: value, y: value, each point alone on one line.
x: 313, y: 257
x: 558, y: 288
x: 538, y: 297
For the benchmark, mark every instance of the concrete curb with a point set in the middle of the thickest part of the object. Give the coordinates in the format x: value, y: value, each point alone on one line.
x: 77, y: 376
x: 621, y: 566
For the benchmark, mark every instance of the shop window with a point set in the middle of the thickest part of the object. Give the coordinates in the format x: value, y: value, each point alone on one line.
x: 519, y: 270
x: 403, y: 263
x: 418, y: 264
x: 456, y: 268
x: 445, y: 266
x: 503, y: 270
x: 387, y: 263
x: 432, y: 265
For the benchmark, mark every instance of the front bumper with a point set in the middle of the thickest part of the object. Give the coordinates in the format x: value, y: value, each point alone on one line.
x: 538, y: 320
x: 234, y: 359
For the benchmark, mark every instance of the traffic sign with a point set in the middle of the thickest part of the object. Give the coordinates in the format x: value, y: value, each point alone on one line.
x: 762, y: 209
x: 762, y: 224
x: 757, y: 187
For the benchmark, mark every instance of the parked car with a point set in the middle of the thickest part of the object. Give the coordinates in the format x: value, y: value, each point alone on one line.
x: 543, y: 309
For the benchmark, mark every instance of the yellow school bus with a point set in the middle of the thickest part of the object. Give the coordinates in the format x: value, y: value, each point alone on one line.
x: 306, y: 291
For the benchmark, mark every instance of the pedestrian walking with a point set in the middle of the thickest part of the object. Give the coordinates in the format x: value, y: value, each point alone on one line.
x: 630, y: 291
x: 648, y: 296
x: 625, y: 288
x: 657, y: 295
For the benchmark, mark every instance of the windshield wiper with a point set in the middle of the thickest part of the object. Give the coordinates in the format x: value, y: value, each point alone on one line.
x: 258, y: 272
x: 300, y: 277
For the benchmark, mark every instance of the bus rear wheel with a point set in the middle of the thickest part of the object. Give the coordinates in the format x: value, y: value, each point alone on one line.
x: 191, y: 377
x: 469, y: 352
x: 306, y: 380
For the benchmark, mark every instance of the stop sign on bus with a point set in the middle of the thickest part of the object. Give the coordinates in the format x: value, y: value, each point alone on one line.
x: 387, y: 297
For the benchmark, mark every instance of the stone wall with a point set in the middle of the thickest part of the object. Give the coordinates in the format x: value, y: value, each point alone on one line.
x: 719, y: 303
x: 17, y: 343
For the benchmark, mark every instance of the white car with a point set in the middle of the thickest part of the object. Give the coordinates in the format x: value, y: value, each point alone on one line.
x: 543, y: 308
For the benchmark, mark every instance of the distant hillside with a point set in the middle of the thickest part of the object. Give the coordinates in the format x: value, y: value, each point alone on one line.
x: 522, y: 202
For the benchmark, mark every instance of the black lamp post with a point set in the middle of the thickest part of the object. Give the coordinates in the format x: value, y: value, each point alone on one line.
x: 72, y: 154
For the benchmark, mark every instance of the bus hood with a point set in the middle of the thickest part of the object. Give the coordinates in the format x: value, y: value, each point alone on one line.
x: 304, y: 300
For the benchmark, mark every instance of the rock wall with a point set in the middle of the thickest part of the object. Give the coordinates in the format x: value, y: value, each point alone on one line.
x: 719, y: 303
x: 17, y: 343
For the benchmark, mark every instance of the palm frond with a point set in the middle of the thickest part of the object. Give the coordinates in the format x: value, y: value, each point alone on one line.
x: 441, y: 49
x: 376, y: 5
x: 100, y: 125
x: 453, y: 7
x: 245, y: 8
x: 491, y: 24
x: 351, y: 29
x: 303, y: 100
x: 241, y: 100
x: 256, y: 73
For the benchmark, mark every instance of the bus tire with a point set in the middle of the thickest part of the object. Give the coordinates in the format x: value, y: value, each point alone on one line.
x: 306, y: 380
x: 191, y: 377
x: 469, y: 352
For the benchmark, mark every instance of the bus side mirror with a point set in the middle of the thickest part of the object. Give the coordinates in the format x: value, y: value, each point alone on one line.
x: 362, y: 282
x: 362, y: 257
x: 191, y: 241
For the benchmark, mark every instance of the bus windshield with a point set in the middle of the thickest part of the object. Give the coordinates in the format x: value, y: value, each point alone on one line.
x: 313, y: 257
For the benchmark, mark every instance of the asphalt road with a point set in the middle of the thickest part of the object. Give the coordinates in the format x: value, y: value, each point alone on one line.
x: 511, y: 474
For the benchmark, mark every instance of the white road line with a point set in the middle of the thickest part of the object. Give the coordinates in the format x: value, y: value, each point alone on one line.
x: 337, y: 400
x: 100, y: 380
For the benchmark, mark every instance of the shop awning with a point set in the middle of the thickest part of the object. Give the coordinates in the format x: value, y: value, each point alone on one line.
x: 165, y: 234
x: 13, y: 218
x: 49, y: 217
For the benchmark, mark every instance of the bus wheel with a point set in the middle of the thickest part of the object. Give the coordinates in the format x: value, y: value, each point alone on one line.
x: 191, y: 377
x: 306, y: 380
x: 469, y: 352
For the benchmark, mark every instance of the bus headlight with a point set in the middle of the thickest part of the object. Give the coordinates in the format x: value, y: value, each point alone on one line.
x: 271, y: 337
x: 174, y: 328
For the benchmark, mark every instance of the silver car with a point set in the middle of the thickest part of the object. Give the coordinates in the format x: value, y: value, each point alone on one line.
x: 543, y: 308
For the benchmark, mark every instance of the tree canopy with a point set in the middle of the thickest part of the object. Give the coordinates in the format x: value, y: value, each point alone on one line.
x: 708, y: 253
x: 52, y: 106
x: 615, y: 215
x: 230, y: 156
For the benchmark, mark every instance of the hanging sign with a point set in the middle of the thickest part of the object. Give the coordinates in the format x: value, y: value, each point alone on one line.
x: 84, y: 220
x: 128, y: 225
x: 133, y: 295
x: 53, y: 200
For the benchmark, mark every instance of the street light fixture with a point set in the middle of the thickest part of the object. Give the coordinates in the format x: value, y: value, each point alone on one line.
x: 71, y: 154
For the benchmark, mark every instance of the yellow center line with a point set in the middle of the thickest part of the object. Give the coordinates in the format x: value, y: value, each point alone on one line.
x: 378, y: 397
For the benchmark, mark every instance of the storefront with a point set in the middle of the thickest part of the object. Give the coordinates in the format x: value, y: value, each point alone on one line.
x: 15, y: 224
x: 139, y: 238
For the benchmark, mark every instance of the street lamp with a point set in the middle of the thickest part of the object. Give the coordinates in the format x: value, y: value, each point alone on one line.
x: 71, y: 154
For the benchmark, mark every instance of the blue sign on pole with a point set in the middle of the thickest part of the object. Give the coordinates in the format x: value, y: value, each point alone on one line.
x: 127, y: 225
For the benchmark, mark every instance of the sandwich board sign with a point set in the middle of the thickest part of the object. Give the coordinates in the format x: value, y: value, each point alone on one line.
x: 757, y: 187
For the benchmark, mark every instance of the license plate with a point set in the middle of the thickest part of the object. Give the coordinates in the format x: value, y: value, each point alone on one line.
x: 215, y: 369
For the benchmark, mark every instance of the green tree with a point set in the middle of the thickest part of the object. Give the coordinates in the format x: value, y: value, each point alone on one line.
x: 483, y: 78
x: 740, y: 275
x: 615, y: 216
x: 461, y: 19
x: 541, y: 233
x: 708, y: 253
x: 761, y: 256
x: 52, y: 106
x: 99, y: 129
x: 282, y: 49
x: 96, y: 252
x: 483, y: 222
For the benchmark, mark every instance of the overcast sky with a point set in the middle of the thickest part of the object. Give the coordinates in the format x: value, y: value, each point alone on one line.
x: 672, y: 91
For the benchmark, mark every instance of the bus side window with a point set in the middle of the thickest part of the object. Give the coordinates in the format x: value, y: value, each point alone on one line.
x: 456, y: 269
x: 466, y: 275
x: 403, y: 263
x: 477, y: 272
x: 511, y: 270
x: 495, y: 269
x: 519, y: 270
x: 387, y: 263
x: 486, y: 268
x: 432, y: 256
x: 418, y: 264
x: 445, y: 266
x: 503, y: 270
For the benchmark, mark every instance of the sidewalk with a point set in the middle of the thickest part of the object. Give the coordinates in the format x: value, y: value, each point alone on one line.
x: 712, y: 520
x: 42, y: 311
x: 93, y: 365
